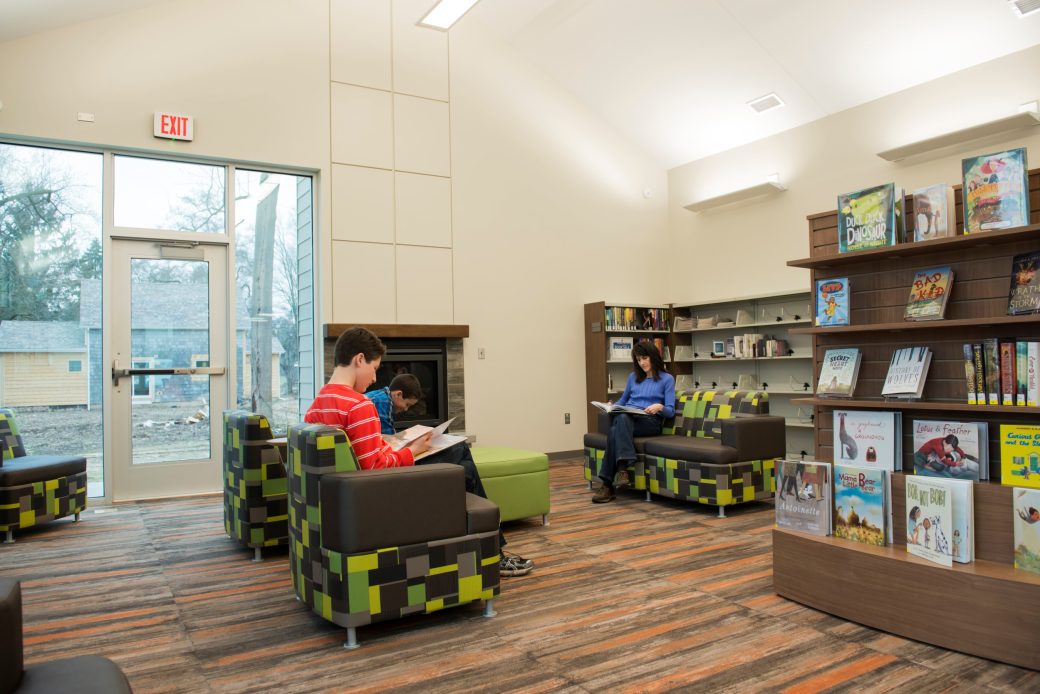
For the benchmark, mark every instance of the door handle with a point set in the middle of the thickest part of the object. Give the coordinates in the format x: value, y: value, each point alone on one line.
x: 118, y: 372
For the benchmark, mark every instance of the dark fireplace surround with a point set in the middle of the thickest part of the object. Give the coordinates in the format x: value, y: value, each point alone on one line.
x: 433, y: 353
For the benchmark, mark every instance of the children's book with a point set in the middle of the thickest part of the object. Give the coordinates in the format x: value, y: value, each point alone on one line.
x: 803, y: 496
x: 1025, y: 510
x: 929, y: 293
x: 1032, y: 374
x: 979, y: 359
x: 832, y: 302
x: 612, y: 407
x: 929, y: 519
x: 906, y: 372
x: 1020, y: 455
x: 1024, y: 295
x: 958, y: 450
x: 991, y: 365
x: 838, y: 373
x: 438, y: 442
x: 860, y: 504
x: 869, y: 438
x: 996, y: 191
x: 620, y: 347
x: 870, y: 218
x: 933, y: 210
x: 1021, y: 372
x: 969, y: 374
x: 1008, y: 378
x: 962, y: 521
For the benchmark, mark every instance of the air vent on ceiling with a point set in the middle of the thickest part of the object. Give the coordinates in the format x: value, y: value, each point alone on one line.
x: 769, y: 101
x: 1025, y: 7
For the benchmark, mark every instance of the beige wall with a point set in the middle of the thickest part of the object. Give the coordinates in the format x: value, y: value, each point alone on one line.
x: 42, y: 379
x: 742, y: 250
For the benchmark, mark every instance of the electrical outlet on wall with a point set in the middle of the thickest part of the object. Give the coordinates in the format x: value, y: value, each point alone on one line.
x: 481, y: 353
x: 566, y: 417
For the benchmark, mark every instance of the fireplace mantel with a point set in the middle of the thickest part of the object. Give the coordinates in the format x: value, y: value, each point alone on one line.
x: 333, y: 330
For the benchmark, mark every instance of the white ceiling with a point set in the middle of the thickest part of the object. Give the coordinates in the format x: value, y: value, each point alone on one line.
x: 674, y: 76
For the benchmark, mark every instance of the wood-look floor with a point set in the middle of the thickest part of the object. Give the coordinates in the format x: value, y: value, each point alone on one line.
x: 629, y: 596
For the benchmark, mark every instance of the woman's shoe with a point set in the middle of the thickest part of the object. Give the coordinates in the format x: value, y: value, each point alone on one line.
x: 621, y: 479
x: 603, y: 494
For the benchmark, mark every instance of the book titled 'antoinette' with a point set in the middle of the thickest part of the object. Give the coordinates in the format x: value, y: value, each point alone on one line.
x: 870, y: 218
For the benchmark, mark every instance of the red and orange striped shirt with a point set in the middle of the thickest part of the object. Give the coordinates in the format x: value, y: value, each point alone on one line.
x: 343, y: 407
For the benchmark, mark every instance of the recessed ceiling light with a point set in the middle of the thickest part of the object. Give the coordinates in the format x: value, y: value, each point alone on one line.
x: 445, y: 13
x: 769, y: 101
x: 1024, y: 8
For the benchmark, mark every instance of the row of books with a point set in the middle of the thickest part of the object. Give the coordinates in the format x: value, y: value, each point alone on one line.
x: 628, y: 318
x: 996, y: 196
x: 620, y: 347
x: 930, y: 292
x: 855, y: 503
x: 1002, y: 372
x: 750, y: 346
x: 907, y: 369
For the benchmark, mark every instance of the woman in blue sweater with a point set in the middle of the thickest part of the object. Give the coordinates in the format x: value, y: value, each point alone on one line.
x: 650, y: 388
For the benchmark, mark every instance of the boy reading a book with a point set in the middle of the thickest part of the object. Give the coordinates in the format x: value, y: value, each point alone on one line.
x: 339, y: 403
x: 400, y: 396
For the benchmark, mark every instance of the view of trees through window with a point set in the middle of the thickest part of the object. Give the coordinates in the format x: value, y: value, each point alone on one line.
x: 50, y: 290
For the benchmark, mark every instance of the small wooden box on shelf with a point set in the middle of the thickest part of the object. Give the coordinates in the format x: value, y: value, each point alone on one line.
x: 986, y: 608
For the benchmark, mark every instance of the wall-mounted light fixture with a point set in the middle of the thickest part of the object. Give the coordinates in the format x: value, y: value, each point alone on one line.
x: 767, y: 187
x: 445, y: 13
x: 1026, y: 117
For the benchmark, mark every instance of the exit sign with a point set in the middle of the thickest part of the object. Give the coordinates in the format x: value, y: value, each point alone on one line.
x: 171, y: 126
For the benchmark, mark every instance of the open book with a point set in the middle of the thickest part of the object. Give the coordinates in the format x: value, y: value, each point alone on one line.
x: 438, y: 442
x: 611, y: 407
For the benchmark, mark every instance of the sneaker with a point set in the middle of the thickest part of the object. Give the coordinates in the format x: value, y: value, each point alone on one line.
x: 621, y: 479
x: 512, y: 565
x: 603, y: 494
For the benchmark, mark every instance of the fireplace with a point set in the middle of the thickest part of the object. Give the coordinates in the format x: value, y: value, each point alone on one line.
x: 426, y: 360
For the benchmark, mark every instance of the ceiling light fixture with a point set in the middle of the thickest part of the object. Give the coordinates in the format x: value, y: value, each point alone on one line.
x: 770, y: 185
x: 1024, y: 8
x: 445, y: 13
x: 1027, y: 116
x: 768, y: 102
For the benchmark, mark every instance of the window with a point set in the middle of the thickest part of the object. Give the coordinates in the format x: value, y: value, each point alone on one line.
x: 75, y: 366
x: 171, y: 195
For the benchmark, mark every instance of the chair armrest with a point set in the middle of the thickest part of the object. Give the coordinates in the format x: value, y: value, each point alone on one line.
x: 372, y: 509
x: 755, y: 436
x: 11, y: 654
x: 481, y: 514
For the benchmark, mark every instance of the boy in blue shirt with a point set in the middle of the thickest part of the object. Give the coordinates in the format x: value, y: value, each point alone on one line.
x: 402, y: 393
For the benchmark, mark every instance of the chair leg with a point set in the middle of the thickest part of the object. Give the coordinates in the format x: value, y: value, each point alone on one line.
x: 722, y: 511
x: 75, y: 518
x: 9, y: 540
x: 489, y: 608
x: 351, y: 642
x: 545, y: 519
x: 647, y: 495
x: 257, y: 555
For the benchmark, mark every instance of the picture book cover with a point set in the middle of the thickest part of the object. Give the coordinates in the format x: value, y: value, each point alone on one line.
x: 996, y: 191
x: 959, y: 450
x: 860, y: 504
x: 832, y: 302
x: 870, y: 218
x: 962, y: 521
x: 869, y: 438
x: 1025, y: 511
x: 1020, y: 455
x: 838, y: 372
x: 929, y: 293
x: 803, y: 496
x: 906, y: 372
x: 929, y: 516
x: 933, y: 210
x: 1024, y: 296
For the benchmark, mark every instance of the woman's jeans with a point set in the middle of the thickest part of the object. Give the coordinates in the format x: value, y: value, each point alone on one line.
x: 621, y: 445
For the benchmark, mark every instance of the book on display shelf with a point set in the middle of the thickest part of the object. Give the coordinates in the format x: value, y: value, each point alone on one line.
x: 838, y: 372
x: 1025, y: 515
x: 870, y: 218
x: 621, y: 347
x: 906, y: 372
x: 929, y: 517
x: 869, y: 438
x: 832, y: 302
x: 991, y: 369
x: 1020, y: 455
x: 803, y: 496
x: 957, y: 450
x: 929, y: 292
x: 1024, y: 295
x: 996, y: 191
x: 933, y: 212
x: 861, y: 504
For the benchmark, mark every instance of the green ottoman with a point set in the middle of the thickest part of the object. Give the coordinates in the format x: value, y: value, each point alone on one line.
x: 516, y: 480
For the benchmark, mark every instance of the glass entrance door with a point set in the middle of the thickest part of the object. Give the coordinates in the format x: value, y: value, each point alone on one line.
x: 169, y: 358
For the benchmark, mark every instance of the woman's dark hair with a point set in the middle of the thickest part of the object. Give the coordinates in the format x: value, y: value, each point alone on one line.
x: 357, y: 341
x: 647, y: 349
x: 915, y: 512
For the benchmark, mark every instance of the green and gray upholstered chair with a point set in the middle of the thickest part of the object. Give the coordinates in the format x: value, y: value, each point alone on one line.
x: 372, y: 545
x: 256, y: 506
x: 35, y: 489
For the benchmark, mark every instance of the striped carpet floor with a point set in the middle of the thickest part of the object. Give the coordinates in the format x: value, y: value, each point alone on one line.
x: 629, y: 596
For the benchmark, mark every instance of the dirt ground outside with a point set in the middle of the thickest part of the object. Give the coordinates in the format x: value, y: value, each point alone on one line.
x: 161, y: 431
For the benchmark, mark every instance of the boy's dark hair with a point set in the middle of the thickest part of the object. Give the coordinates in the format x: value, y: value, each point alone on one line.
x: 647, y: 349
x: 408, y: 385
x: 358, y: 340
x: 952, y: 440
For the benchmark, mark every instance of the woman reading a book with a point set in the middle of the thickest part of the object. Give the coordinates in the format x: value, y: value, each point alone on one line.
x: 649, y: 388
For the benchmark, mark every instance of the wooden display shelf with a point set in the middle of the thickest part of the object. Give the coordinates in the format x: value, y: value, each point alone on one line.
x: 934, y: 247
x: 933, y: 325
x: 985, y: 608
x: 846, y: 403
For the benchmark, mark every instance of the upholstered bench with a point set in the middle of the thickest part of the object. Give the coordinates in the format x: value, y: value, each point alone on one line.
x: 516, y: 480
x: 35, y: 489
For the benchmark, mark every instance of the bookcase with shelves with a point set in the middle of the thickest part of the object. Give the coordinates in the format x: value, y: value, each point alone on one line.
x: 605, y: 376
x: 785, y: 372
x: 986, y: 608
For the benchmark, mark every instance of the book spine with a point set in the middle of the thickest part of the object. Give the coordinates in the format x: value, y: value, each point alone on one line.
x: 969, y: 373
x: 1007, y: 373
x: 991, y: 352
x: 1032, y: 384
x: 1021, y: 372
x: 980, y: 374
